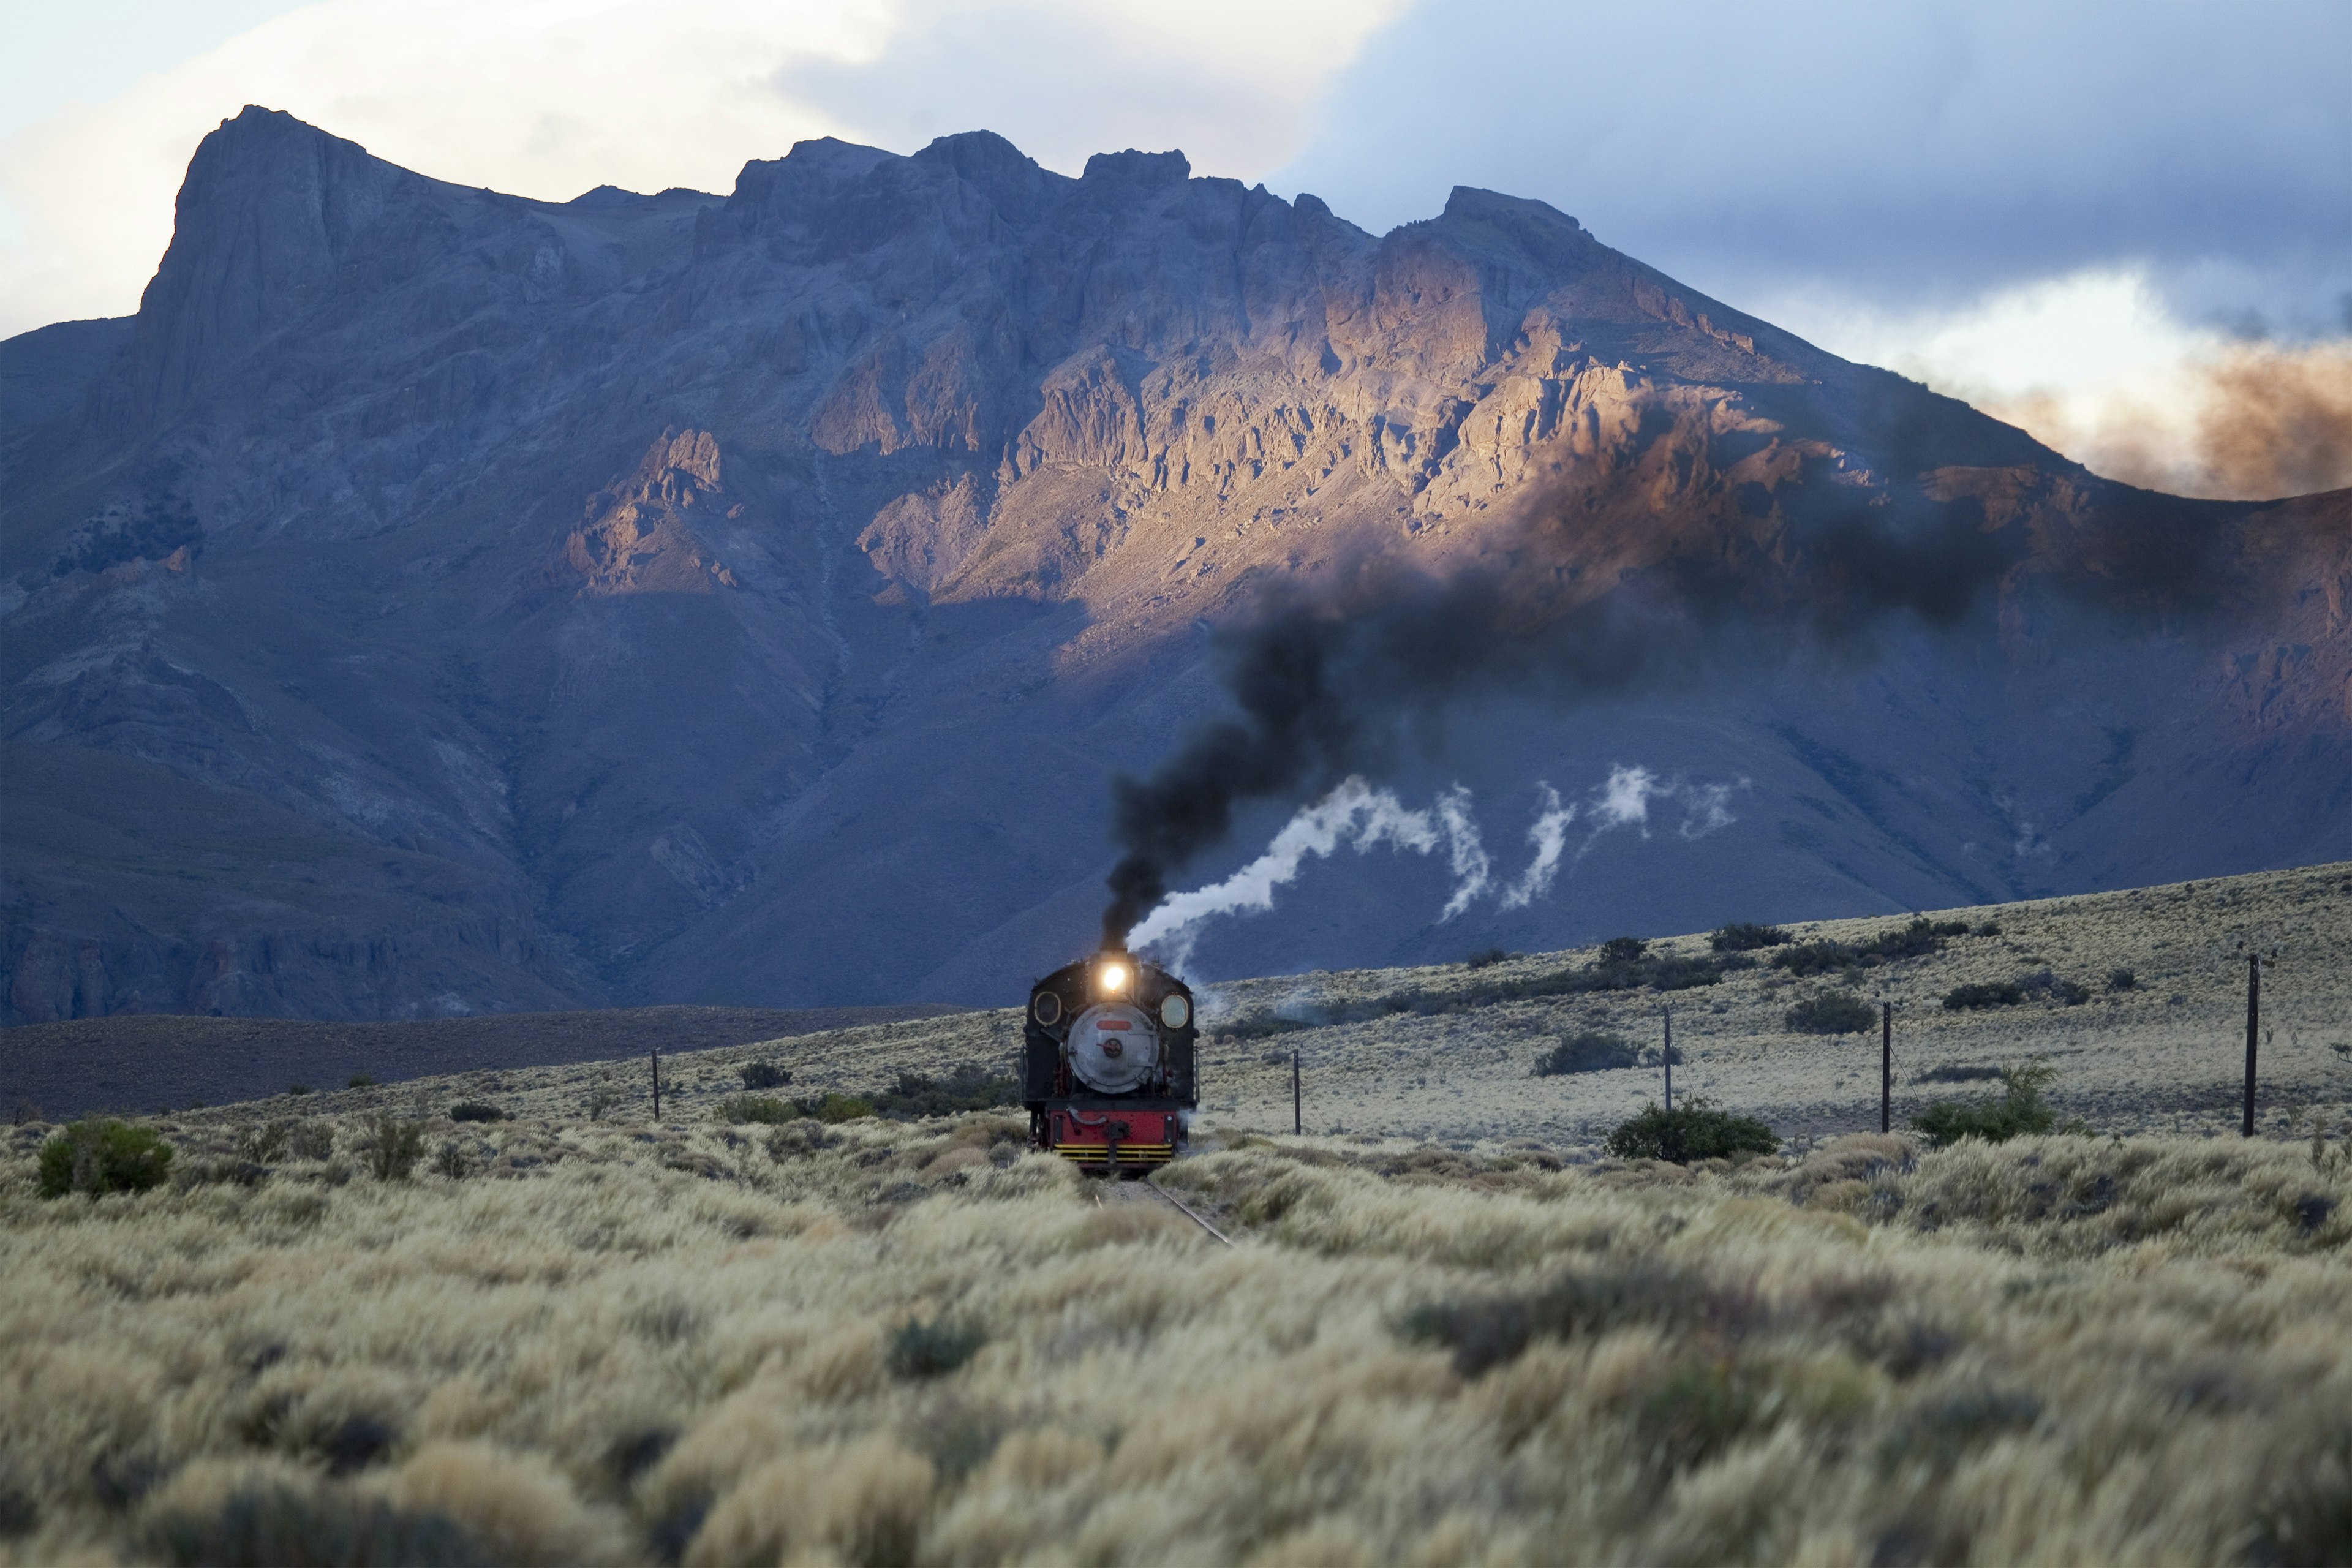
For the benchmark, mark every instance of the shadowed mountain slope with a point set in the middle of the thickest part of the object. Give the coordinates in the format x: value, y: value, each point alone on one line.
x: 436, y: 601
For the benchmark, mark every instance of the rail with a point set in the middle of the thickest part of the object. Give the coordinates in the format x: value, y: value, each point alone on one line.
x: 1183, y: 1209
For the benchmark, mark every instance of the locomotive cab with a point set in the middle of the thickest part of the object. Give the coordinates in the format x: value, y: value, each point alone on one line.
x: 1107, y: 1069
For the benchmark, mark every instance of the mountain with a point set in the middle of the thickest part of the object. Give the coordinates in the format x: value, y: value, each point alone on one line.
x: 436, y: 601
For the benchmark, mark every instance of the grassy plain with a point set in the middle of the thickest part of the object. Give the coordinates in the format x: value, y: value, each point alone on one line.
x: 619, y: 1341
x: 2167, y: 1056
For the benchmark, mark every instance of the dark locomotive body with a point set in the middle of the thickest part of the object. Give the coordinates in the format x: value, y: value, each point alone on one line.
x: 1107, y: 1065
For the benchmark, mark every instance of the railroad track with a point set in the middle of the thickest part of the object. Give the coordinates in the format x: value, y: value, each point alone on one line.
x: 1185, y: 1209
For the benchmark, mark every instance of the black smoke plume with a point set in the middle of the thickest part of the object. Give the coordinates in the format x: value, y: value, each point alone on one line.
x: 1326, y: 681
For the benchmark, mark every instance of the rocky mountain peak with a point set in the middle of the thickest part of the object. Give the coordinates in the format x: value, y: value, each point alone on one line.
x: 745, y: 598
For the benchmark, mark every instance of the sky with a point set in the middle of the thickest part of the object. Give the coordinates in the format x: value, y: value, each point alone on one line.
x: 2121, y: 223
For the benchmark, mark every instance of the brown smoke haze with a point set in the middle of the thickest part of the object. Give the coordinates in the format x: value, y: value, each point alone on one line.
x: 2254, y: 422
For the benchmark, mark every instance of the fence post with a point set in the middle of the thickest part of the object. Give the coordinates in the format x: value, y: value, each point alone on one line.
x: 1885, y: 1067
x: 654, y: 1057
x: 2253, y: 1023
x: 1670, y: 1056
x: 1297, y: 1105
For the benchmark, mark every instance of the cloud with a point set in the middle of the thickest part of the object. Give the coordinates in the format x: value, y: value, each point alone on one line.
x: 1910, y: 155
x: 549, y: 97
x: 2098, y: 366
x: 2242, y: 422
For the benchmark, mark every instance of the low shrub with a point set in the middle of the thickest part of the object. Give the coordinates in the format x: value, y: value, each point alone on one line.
x: 921, y: 1348
x: 1804, y: 959
x: 1918, y: 939
x: 1592, y: 1050
x: 360, y: 1080
x: 2122, y: 980
x: 103, y: 1156
x: 601, y: 1100
x: 1698, y: 1409
x: 475, y: 1110
x: 1952, y: 1073
x: 311, y: 1140
x: 1485, y: 958
x: 451, y: 1160
x: 834, y: 1107
x: 764, y: 1110
x: 278, y: 1527
x: 2019, y: 1109
x: 764, y: 1075
x: 1983, y: 993
x: 1832, y: 1013
x: 1745, y: 936
x: 2042, y: 982
x: 1694, y: 1131
x: 967, y: 1087
x: 392, y: 1147
x: 264, y: 1144
x: 298, y: 1089
x: 1485, y: 1331
x: 1624, y: 950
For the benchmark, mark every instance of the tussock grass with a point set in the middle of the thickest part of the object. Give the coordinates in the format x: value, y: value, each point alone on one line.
x: 884, y: 1342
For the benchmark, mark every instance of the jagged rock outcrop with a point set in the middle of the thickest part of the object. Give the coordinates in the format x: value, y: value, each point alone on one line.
x: 436, y: 599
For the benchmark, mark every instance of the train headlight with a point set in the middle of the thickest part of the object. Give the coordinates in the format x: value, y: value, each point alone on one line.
x: 1175, y: 1011
x: 1112, y: 979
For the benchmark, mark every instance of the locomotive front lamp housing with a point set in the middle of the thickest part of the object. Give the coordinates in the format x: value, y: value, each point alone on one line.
x: 1111, y: 978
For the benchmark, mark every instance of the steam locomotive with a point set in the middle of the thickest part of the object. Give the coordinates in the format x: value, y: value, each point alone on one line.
x: 1107, y: 1067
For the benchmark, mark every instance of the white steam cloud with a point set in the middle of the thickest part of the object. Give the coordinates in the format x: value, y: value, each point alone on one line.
x: 1357, y: 816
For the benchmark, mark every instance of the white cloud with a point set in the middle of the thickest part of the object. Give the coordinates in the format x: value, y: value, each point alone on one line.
x: 548, y: 98
x: 2099, y: 366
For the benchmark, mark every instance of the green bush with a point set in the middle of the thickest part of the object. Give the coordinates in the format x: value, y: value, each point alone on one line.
x: 103, y: 1156
x: 1918, y: 939
x: 311, y: 1140
x: 2122, y: 980
x: 360, y: 1080
x: 1745, y: 936
x: 764, y: 1075
x: 1832, y: 1013
x: 1809, y: 958
x: 765, y: 1110
x: 2019, y: 1109
x: 1983, y: 993
x: 392, y: 1147
x: 1951, y: 1073
x: 1694, y: 1131
x: 475, y: 1110
x: 933, y: 1349
x: 1485, y: 958
x: 451, y: 1160
x: 1593, y: 1050
x: 1624, y: 950
x: 967, y: 1087
x: 834, y: 1107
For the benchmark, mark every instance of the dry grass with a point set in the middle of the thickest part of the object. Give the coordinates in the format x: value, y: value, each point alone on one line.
x: 619, y: 1343
x: 626, y: 1344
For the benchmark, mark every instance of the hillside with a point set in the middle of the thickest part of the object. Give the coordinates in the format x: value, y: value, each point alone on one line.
x: 559, y: 1341
x: 438, y: 602
x: 2165, y: 1056
x: 140, y: 1062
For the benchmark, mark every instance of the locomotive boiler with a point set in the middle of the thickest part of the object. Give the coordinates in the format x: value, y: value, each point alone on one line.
x: 1107, y: 1067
